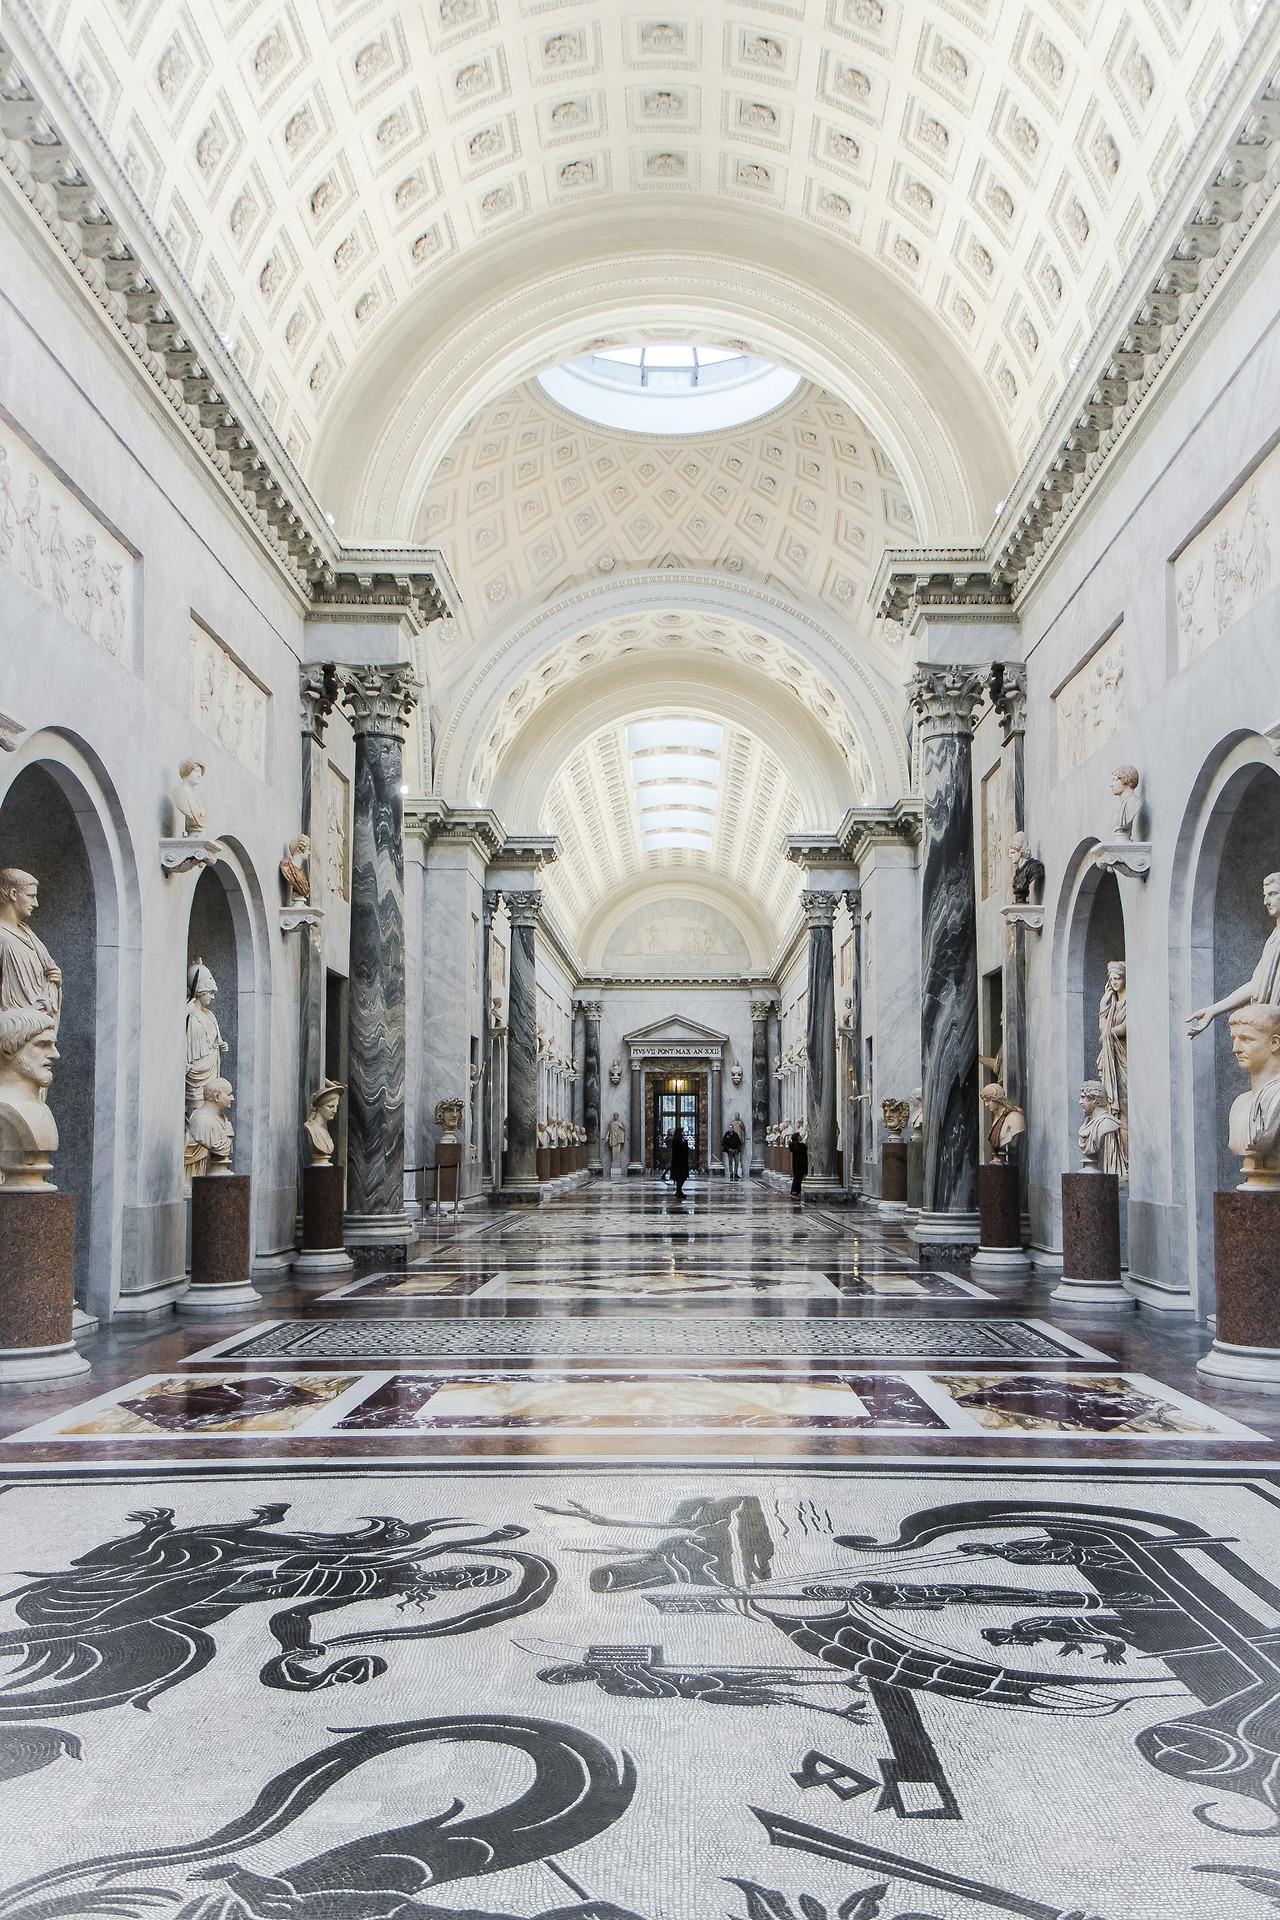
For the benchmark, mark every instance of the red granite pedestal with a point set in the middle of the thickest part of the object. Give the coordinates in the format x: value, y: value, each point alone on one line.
x: 1246, y: 1240
x: 893, y: 1176
x: 1091, y: 1243
x: 323, y: 1256
x: 219, y: 1245
x: 449, y: 1161
x: 1000, y: 1214
x: 37, y: 1276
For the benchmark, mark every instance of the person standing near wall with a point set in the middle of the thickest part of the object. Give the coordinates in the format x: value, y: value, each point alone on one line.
x: 799, y: 1162
x: 679, y: 1160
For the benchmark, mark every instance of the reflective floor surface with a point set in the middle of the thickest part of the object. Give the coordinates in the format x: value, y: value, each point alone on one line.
x: 615, y: 1558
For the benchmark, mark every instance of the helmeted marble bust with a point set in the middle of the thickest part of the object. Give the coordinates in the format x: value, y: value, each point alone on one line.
x: 1254, y: 1126
x: 325, y: 1102
x: 205, y: 1044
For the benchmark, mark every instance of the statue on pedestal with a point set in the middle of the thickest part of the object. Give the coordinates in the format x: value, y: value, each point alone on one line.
x: 205, y: 1044
x: 1264, y: 988
x: 28, y: 1132
x: 615, y: 1072
x: 1254, y: 1131
x: 187, y: 801
x: 325, y: 1102
x: 210, y: 1136
x: 294, y: 871
x: 897, y: 1115
x: 1099, y: 1126
x: 29, y: 979
x: 1008, y: 1122
x: 1126, y: 786
x: 1026, y: 872
x: 1113, y: 1064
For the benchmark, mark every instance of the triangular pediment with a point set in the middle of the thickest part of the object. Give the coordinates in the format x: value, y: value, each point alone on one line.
x: 677, y: 1030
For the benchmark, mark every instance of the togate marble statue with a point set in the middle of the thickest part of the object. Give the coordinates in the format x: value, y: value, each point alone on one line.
x: 29, y: 978
x: 210, y: 1139
x: 1099, y: 1126
x: 325, y: 1102
x: 1254, y: 1127
x: 205, y: 1044
x: 187, y: 801
x: 1263, y: 990
x: 28, y: 1132
x: 1008, y: 1122
x: 1113, y: 1064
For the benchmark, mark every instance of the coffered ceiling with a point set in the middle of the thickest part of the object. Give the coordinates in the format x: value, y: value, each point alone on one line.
x: 316, y: 165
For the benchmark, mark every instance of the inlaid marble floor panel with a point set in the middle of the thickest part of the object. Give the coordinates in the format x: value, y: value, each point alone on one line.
x: 378, y: 1692
x: 663, y: 1337
x: 653, y: 1400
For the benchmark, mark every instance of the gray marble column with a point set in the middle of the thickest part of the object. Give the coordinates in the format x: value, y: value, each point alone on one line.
x: 490, y: 1170
x: 715, y: 1117
x: 760, y: 1010
x: 820, y: 1038
x: 944, y: 699
x: 319, y: 691
x: 773, y: 1047
x: 1008, y: 689
x: 592, y: 1010
x: 853, y: 1082
x: 636, y: 1139
x: 379, y: 701
x: 520, y: 1180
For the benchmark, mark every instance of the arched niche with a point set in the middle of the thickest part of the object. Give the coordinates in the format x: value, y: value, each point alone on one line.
x: 224, y: 930
x: 57, y: 823
x: 1236, y: 843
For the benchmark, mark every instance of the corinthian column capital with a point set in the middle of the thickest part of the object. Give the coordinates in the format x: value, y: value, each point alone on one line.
x: 819, y: 908
x: 524, y: 908
x: 945, y: 698
x: 380, y: 699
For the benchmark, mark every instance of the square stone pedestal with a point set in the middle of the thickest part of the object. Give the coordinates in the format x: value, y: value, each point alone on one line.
x: 1000, y: 1223
x: 893, y: 1176
x: 1246, y: 1241
x: 219, y: 1246
x: 1091, y: 1243
x: 37, y: 1274
x: 323, y: 1256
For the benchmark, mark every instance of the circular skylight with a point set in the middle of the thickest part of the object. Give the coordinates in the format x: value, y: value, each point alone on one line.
x: 669, y: 387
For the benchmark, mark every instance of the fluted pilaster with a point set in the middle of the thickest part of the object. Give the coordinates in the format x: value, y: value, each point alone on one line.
x: 819, y: 912
x: 521, y: 1175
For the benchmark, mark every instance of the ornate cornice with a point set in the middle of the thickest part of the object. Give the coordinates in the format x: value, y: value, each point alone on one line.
x: 945, y: 698
x: 59, y: 165
x: 372, y: 583
x: 432, y: 819
x: 379, y: 700
x: 1007, y: 691
x: 961, y: 579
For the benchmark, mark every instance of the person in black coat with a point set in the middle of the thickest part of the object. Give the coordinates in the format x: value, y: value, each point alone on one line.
x: 799, y: 1162
x: 679, y: 1160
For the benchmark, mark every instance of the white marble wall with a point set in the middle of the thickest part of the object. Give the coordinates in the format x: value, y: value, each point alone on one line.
x: 444, y: 921
x: 890, y: 990
x: 113, y: 720
x: 726, y: 1010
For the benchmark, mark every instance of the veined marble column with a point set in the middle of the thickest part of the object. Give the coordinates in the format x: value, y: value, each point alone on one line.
x: 773, y: 1047
x: 319, y: 691
x: 855, y: 1106
x: 489, y: 1158
x: 520, y: 1181
x: 715, y: 1117
x: 760, y: 1010
x: 592, y: 1011
x: 379, y: 701
x: 820, y: 1038
x: 636, y: 1142
x: 944, y: 699
x: 1008, y: 689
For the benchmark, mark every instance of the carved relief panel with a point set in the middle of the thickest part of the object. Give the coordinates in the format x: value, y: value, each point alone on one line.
x: 337, y: 814
x: 50, y: 540
x: 1226, y: 570
x: 227, y: 702
x: 1091, y: 705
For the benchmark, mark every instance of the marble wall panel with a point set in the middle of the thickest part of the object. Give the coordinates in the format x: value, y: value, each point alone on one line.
x: 54, y: 542
x: 336, y: 828
x: 227, y: 702
x: 1091, y: 705
x: 1227, y: 569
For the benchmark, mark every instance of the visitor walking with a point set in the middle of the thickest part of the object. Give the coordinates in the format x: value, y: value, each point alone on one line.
x: 679, y: 1160
x: 799, y: 1162
x: 732, y: 1146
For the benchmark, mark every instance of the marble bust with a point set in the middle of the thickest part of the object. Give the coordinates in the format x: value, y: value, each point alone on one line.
x: 28, y: 1132
x: 325, y: 1102
x: 28, y: 976
x: 449, y: 1112
x: 1098, y: 1127
x: 205, y: 1044
x: 1126, y: 786
x: 615, y: 1072
x: 735, y: 1074
x: 1254, y: 1127
x: 294, y: 871
x: 210, y: 1136
x: 187, y: 800
x: 1263, y: 990
x: 897, y: 1114
x: 1026, y: 872
x: 1008, y: 1122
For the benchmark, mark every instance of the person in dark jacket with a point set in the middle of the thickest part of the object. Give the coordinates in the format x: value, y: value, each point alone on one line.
x: 680, y: 1160
x: 799, y: 1162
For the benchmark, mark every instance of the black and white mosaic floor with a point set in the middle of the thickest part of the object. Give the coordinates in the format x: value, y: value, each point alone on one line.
x: 724, y: 1579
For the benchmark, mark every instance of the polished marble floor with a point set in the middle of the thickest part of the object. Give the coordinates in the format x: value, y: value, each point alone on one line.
x: 983, y: 1594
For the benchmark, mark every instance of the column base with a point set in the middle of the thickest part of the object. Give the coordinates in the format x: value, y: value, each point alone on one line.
x: 272, y: 1267
x: 37, y: 1367
x: 995, y: 1261
x: 1255, y: 1367
x: 954, y: 1236
x: 140, y: 1309
x: 318, y: 1263
x: 1150, y: 1293
x: 892, y: 1209
x: 237, y: 1297
x: 378, y: 1229
x: 82, y: 1324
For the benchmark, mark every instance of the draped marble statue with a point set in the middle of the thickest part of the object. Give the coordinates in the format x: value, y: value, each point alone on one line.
x: 1263, y: 990
x: 205, y: 1044
x: 29, y: 978
x: 1113, y: 1065
x: 1254, y: 1126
